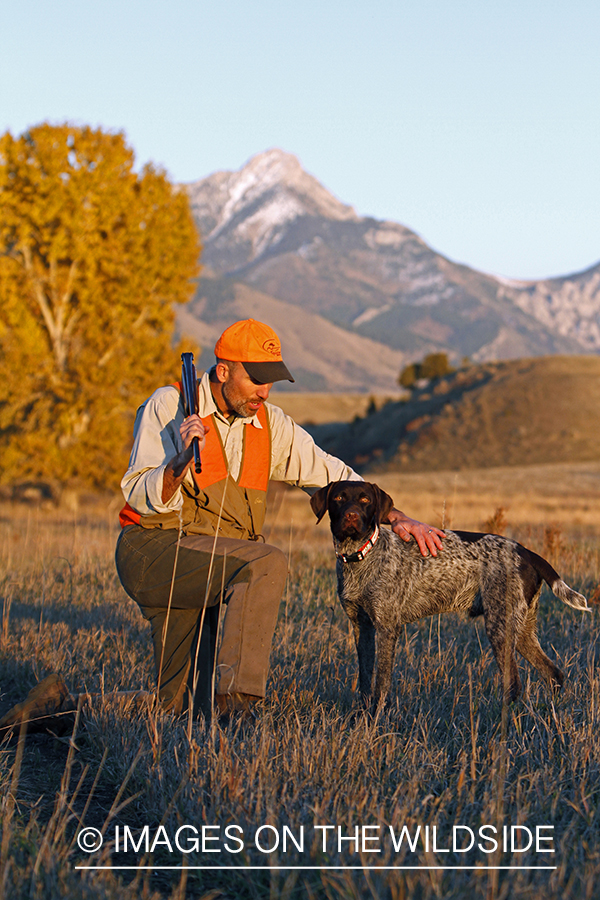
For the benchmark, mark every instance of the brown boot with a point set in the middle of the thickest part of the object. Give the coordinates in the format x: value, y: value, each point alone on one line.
x: 237, y: 705
x: 39, y: 710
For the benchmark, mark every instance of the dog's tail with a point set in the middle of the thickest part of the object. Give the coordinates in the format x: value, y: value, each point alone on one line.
x: 558, y: 587
x: 569, y: 596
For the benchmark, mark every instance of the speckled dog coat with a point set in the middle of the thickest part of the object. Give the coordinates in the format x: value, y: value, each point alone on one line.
x: 384, y: 583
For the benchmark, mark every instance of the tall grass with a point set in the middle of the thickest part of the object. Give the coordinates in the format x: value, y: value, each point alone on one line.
x: 443, y: 754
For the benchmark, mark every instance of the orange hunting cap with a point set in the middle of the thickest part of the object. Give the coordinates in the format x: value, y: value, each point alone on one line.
x: 257, y: 347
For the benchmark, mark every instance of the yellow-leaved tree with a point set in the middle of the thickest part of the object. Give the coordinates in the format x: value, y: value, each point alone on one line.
x: 92, y: 258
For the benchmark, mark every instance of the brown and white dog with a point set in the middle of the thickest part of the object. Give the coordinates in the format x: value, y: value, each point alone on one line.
x: 384, y: 583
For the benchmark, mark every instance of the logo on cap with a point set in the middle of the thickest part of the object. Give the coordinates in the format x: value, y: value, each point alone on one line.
x: 272, y: 347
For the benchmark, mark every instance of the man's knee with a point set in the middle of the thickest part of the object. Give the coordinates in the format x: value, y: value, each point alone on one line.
x: 274, y: 563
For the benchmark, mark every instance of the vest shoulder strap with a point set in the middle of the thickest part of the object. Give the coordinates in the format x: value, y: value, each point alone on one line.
x: 256, y: 462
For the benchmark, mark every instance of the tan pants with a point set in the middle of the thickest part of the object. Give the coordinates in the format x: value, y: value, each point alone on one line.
x: 239, y: 583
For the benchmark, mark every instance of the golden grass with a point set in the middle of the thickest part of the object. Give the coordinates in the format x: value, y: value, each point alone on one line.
x: 443, y: 754
x: 565, y: 494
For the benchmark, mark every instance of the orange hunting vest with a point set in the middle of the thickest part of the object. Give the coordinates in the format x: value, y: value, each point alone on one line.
x: 240, y: 512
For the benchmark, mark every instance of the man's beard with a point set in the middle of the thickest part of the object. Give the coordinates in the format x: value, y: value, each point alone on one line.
x: 239, y: 406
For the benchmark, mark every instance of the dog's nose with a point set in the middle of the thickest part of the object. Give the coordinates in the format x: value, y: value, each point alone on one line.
x: 351, y: 517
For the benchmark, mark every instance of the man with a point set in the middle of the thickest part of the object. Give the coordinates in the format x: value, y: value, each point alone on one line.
x: 189, y: 552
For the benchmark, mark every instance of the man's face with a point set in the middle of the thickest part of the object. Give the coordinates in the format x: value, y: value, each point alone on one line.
x: 243, y: 395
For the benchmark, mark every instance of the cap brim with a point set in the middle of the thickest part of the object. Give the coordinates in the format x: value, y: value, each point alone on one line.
x: 268, y: 372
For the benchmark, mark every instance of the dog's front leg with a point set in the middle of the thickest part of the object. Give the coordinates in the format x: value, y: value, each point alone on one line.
x: 386, y: 646
x: 364, y: 636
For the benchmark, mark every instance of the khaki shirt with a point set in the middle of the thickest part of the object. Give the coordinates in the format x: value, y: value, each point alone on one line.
x: 295, y: 458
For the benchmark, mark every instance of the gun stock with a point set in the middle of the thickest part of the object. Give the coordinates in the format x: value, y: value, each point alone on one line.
x: 189, y: 387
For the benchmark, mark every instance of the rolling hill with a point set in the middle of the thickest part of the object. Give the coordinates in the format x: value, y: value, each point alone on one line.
x: 512, y: 413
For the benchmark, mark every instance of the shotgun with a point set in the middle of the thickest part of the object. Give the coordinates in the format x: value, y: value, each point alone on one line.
x: 189, y: 389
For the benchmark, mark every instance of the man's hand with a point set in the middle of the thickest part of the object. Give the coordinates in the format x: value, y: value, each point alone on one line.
x: 428, y: 538
x: 190, y: 428
x: 177, y: 467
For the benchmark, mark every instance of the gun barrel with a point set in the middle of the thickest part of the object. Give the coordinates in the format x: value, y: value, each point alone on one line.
x: 190, y: 399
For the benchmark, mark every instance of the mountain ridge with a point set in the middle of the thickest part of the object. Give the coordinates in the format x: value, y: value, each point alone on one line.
x: 275, y: 229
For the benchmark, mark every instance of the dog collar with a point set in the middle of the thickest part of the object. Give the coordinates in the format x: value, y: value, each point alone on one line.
x: 362, y: 552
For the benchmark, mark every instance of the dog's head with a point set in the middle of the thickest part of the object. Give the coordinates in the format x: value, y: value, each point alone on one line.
x: 354, y: 507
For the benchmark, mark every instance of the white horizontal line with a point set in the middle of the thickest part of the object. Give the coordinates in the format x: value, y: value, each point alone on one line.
x: 318, y: 868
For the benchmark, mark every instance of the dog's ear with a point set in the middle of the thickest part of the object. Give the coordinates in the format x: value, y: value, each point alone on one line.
x: 385, y: 504
x: 319, y: 500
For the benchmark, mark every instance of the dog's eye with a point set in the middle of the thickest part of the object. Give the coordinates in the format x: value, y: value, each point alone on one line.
x: 364, y: 500
x: 338, y: 499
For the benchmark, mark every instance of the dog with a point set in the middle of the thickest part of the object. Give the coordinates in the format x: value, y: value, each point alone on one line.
x: 384, y: 583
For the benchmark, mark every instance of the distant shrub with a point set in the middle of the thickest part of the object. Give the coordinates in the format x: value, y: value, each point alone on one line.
x: 435, y: 365
x: 408, y: 375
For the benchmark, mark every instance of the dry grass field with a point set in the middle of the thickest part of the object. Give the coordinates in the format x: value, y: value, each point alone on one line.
x: 446, y: 753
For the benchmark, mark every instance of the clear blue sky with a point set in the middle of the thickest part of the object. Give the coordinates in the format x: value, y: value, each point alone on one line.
x: 474, y: 122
